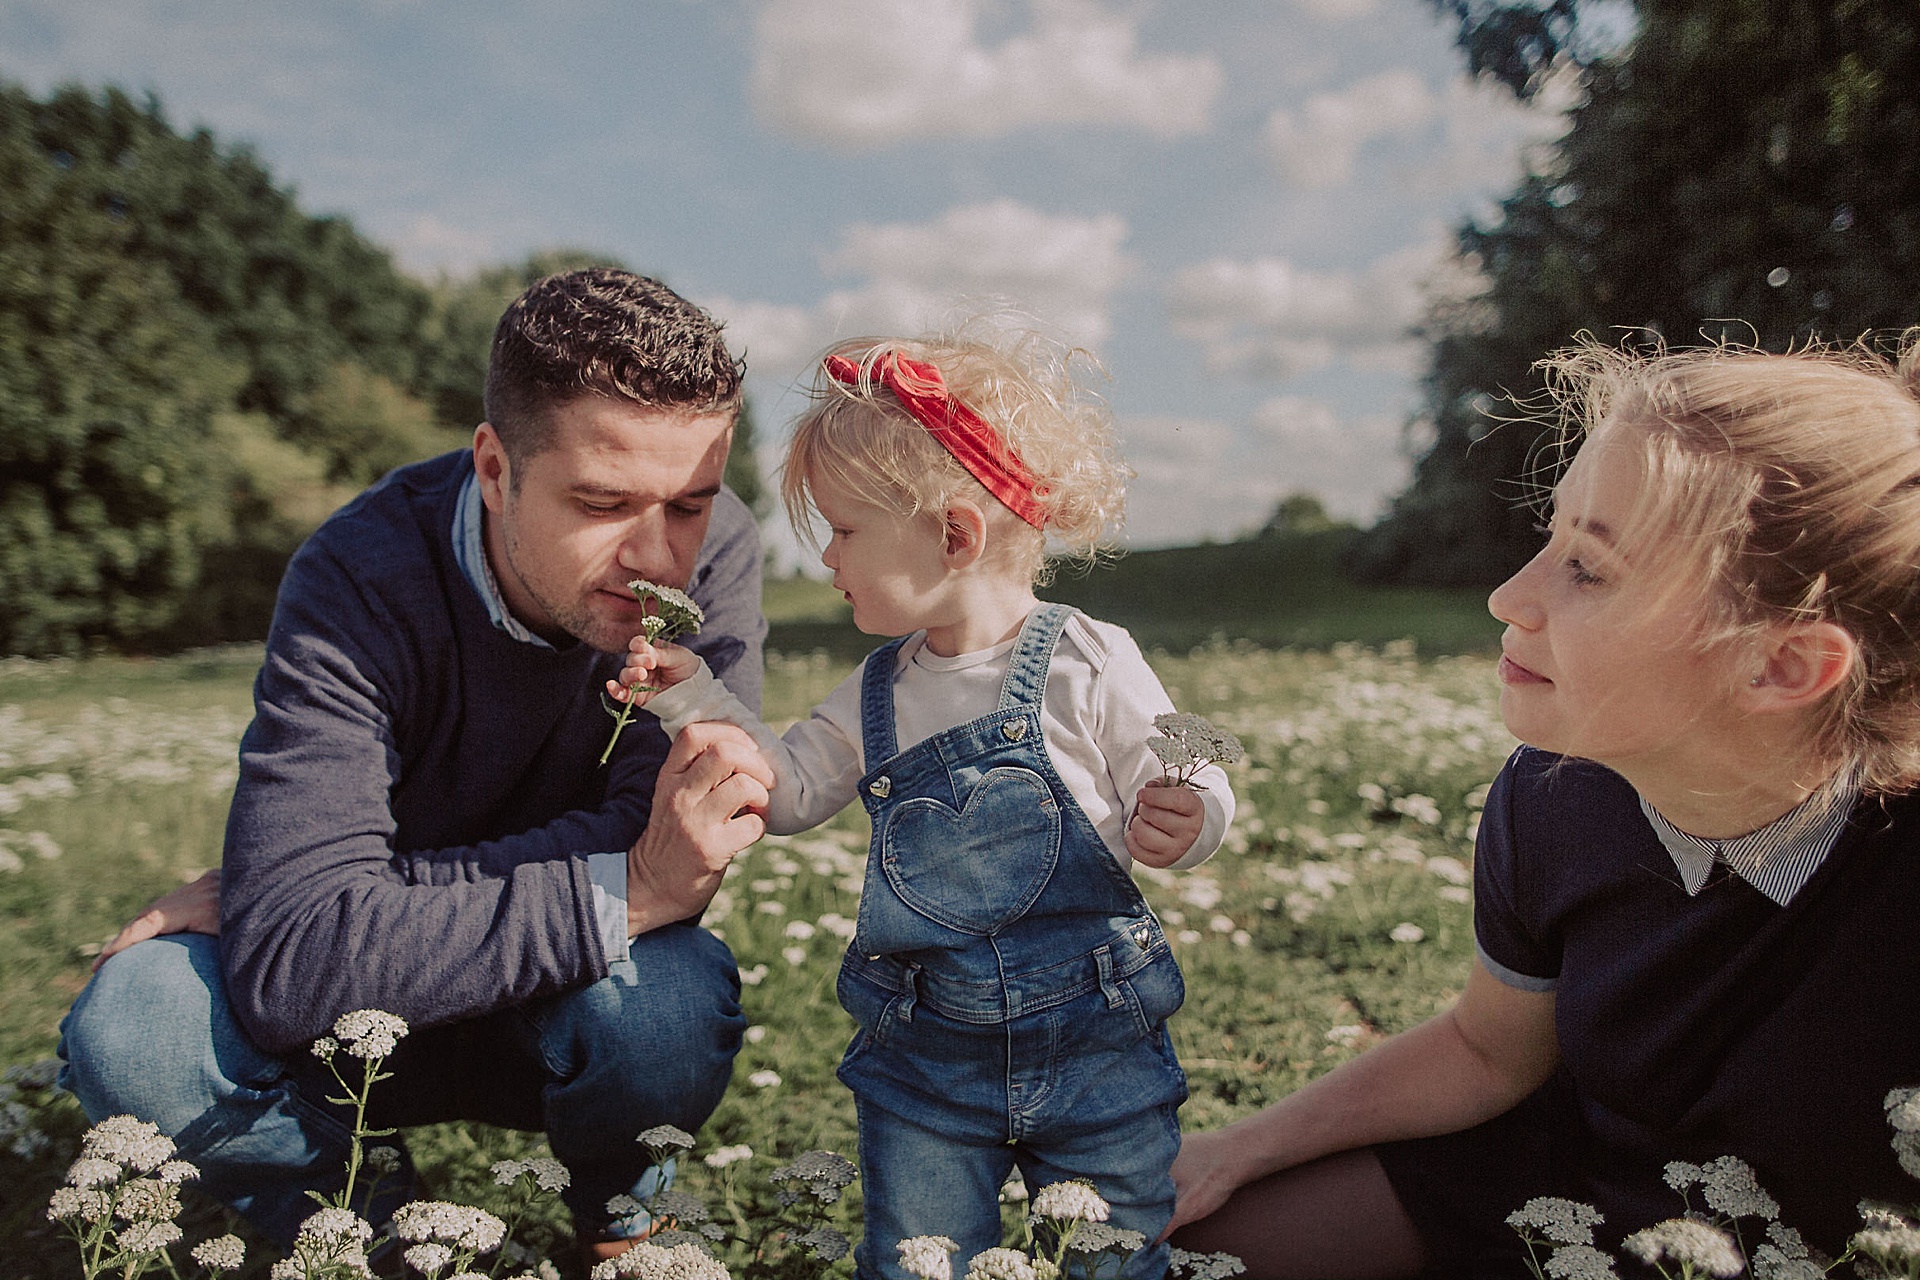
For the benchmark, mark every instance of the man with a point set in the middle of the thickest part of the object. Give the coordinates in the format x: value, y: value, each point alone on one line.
x: 421, y: 825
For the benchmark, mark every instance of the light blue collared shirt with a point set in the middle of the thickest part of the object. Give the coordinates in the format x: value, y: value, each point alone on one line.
x: 606, y: 871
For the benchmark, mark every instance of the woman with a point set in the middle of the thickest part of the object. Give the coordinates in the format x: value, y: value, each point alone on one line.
x: 1696, y: 884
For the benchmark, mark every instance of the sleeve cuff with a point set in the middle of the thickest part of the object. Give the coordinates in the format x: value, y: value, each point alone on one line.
x: 608, y: 874
x: 1512, y: 977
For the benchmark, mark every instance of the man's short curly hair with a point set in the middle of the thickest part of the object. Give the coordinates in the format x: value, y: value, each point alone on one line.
x: 602, y: 331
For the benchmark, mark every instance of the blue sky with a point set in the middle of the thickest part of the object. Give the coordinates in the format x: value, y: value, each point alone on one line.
x: 1238, y: 204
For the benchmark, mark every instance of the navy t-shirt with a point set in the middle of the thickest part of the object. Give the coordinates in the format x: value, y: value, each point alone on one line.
x: 1694, y: 1027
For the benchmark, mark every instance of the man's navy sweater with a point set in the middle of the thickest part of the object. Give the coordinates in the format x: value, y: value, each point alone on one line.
x: 418, y: 790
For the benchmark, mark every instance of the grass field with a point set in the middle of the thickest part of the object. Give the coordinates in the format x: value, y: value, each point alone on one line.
x: 1336, y: 914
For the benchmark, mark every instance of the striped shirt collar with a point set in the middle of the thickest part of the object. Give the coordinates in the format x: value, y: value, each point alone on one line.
x: 1777, y: 859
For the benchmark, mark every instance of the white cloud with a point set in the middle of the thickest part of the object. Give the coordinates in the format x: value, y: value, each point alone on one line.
x: 1316, y: 145
x: 1467, y: 135
x: 1353, y: 464
x: 1187, y: 486
x: 430, y: 243
x: 1272, y: 318
x: 915, y: 276
x: 1337, y: 10
x: 1485, y: 134
x: 873, y: 72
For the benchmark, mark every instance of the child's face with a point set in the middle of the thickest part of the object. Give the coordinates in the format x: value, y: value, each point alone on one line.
x: 890, y: 567
x: 1602, y: 656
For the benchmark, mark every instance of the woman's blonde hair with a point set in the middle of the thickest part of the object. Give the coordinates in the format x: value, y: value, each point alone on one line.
x: 1791, y: 485
x: 859, y: 439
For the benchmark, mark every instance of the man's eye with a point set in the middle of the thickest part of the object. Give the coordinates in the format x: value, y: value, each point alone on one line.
x: 599, y: 509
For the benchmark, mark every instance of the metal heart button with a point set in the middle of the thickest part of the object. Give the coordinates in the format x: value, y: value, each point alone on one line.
x: 881, y: 786
x: 1014, y: 729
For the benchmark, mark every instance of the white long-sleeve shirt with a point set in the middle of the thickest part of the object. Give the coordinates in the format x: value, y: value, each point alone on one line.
x: 1095, y: 719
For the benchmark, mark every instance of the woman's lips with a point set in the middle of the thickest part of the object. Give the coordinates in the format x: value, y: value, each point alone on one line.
x: 1512, y: 672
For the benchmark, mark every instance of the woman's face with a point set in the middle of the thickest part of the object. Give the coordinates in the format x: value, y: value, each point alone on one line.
x: 1602, y: 656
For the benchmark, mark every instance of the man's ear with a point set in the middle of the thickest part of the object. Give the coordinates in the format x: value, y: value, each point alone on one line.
x: 1802, y: 663
x: 490, y: 464
x: 964, y: 528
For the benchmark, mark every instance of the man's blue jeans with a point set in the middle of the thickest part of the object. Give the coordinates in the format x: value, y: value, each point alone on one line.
x: 652, y: 1043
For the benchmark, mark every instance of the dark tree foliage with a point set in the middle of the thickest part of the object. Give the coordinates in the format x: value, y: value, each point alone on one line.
x: 186, y: 362
x: 1742, y: 168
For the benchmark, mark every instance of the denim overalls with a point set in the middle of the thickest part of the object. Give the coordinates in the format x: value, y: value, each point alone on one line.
x: 1010, y: 985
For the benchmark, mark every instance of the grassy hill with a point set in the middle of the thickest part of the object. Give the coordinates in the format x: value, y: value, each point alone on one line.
x: 1281, y: 592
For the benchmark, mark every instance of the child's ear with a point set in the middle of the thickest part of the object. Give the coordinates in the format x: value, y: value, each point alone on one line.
x: 1801, y: 664
x: 964, y: 529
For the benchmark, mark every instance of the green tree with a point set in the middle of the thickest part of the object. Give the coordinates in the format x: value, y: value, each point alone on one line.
x: 171, y: 325
x: 743, y: 464
x: 109, y: 387
x: 1738, y: 168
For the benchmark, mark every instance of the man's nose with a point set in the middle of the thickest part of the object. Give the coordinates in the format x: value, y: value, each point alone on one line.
x: 646, y: 550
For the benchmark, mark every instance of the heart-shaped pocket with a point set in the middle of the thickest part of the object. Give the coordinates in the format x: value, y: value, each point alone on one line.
x: 977, y: 870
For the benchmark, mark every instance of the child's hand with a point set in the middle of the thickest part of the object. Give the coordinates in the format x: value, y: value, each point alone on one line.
x: 1166, y: 821
x: 653, y: 667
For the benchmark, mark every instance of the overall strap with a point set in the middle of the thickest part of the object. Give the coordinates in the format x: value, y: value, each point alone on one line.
x: 1026, y: 681
x: 877, y: 738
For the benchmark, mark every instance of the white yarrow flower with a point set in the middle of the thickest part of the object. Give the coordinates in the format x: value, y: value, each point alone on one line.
x: 1580, y: 1262
x: 335, y: 1226
x: 1203, y: 1266
x: 1695, y: 1245
x: 134, y: 1144
x: 1071, y: 1201
x: 460, y: 1225
x: 1104, y: 1237
x: 369, y: 1033
x: 824, y: 1244
x: 928, y: 1257
x: 149, y: 1236
x: 428, y: 1258
x: 721, y: 1157
x: 765, y: 1078
x: 222, y: 1253
x: 1001, y: 1264
x: 666, y: 1137
x: 1561, y: 1221
x: 90, y: 1171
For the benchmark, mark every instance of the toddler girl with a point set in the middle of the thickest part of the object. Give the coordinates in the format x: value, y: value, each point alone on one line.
x: 1010, y: 984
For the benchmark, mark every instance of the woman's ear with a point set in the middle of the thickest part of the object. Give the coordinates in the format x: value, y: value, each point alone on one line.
x: 965, y: 532
x: 1801, y: 664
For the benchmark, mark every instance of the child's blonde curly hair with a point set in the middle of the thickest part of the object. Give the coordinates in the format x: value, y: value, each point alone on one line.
x: 857, y: 437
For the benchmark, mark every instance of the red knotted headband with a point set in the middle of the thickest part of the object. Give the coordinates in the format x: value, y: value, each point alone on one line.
x: 923, y: 393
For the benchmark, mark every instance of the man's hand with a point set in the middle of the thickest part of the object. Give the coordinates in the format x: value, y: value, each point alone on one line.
x: 192, y: 908
x: 1167, y: 819
x: 709, y: 803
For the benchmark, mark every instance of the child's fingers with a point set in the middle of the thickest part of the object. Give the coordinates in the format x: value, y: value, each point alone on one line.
x: 1181, y: 801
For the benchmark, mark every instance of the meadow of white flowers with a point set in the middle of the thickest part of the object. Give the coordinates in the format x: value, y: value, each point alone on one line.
x: 1338, y: 911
